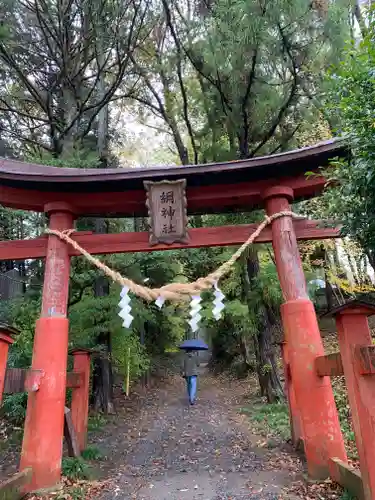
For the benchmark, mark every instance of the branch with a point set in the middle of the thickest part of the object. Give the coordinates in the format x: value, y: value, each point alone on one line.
x: 12, y: 64
x: 286, y: 139
x: 180, y: 79
x: 21, y: 113
x: 251, y: 79
x: 78, y: 297
x: 289, y: 100
x: 149, y: 104
x: 197, y: 65
x: 122, y: 65
x: 19, y: 137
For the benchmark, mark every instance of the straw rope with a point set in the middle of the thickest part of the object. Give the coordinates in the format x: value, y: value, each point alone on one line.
x: 172, y: 291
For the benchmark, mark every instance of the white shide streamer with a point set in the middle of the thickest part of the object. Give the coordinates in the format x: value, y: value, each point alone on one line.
x: 125, y: 308
x: 195, y: 307
x: 160, y: 301
x: 218, y: 302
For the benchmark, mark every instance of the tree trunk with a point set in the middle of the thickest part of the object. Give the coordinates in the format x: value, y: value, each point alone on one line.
x: 102, y: 387
x: 103, y: 115
x: 359, y: 17
x: 266, y: 366
x: 102, y: 382
x: 330, y: 297
x: 103, y: 376
x: 245, y: 351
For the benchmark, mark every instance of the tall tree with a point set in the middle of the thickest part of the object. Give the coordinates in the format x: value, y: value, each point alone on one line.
x: 63, y: 63
x: 253, y: 94
x: 351, y: 101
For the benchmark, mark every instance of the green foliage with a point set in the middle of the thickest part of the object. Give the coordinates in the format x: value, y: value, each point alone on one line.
x: 352, y: 106
x: 271, y: 419
x: 96, y: 422
x: 263, y: 98
x: 127, y: 349
x: 343, y: 409
x: 92, y: 453
x: 347, y: 496
x: 76, y: 468
x: 14, y: 407
x: 94, y: 315
x: 22, y: 313
x: 79, y: 157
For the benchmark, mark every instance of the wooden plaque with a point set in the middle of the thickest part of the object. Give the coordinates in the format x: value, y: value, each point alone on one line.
x: 166, y: 204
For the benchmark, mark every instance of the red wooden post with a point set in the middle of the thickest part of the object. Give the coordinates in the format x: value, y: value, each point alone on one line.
x: 321, y: 431
x: 295, y: 418
x: 80, y: 397
x: 353, y: 330
x: 6, y: 339
x: 44, y: 425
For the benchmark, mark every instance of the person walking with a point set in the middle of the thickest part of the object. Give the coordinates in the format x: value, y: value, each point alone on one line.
x: 190, y: 373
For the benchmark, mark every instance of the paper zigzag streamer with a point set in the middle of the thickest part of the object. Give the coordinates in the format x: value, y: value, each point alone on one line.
x: 195, y: 307
x: 160, y: 301
x: 218, y: 302
x: 125, y: 308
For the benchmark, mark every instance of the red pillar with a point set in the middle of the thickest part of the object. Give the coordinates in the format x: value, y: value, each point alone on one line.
x: 80, y: 397
x: 295, y: 418
x: 5, y: 340
x: 352, y: 330
x: 44, y: 425
x: 314, y: 397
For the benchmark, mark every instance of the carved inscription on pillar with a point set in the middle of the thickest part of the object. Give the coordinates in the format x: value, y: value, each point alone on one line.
x: 54, y: 300
x: 166, y: 204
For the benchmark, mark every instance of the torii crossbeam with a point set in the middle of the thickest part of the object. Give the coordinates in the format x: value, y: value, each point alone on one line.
x: 139, y: 241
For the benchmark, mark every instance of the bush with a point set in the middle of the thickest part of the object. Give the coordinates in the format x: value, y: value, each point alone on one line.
x: 14, y: 407
x: 92, y: 453
x: 76, y: 468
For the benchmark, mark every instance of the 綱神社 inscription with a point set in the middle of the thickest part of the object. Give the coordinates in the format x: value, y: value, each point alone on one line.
x: 166, y: 203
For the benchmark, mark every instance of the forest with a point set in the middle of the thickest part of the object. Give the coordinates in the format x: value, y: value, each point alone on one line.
x: 124, y: 83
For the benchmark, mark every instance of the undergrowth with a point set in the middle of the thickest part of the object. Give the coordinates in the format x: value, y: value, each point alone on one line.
x: 343, y: 409
x: 271, y: 419
x: 342, y: 403
x: 14, y: 407
x: 92, y: 453
x: 347, y: 496
x: 76, y: 468
x: 96, y: 422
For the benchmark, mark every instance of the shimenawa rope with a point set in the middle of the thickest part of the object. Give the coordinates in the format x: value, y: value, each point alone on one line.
x: 172, y: 291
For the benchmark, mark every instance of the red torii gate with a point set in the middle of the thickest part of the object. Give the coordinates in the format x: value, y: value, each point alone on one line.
x: 66, y: 194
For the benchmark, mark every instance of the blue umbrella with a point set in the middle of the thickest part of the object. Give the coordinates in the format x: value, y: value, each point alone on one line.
x: 194, y: 345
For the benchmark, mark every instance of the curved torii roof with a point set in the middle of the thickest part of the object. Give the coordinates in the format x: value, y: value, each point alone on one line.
x: 214, y: 187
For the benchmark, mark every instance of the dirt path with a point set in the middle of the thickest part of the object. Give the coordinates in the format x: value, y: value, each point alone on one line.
x: 168, y: 450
